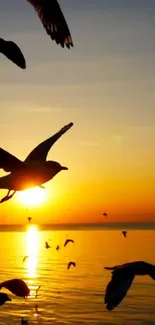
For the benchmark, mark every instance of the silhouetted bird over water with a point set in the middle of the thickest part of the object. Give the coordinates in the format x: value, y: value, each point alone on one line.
x: 58, y: 247
x: 124, y: 232
x: 29, y: 219
x: 122, y: 277
x: 104, y: 214
x: 47, y: 245
x: 12, y: 52
x: 17, y: 286
x: 24, y: 258
x: 24, y: 321
x: 53, y: 20
x: 68, y: 241
x: 34, y: 171
x: 3, y: 298
x: 71, y: 264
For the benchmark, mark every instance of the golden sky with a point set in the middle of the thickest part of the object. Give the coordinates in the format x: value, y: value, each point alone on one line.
x: 105, y: 85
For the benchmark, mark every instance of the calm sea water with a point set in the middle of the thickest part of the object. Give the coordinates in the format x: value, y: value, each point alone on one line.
x: 75, y: 296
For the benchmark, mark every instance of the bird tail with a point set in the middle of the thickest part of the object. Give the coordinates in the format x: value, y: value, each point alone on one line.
x: 112, y: 268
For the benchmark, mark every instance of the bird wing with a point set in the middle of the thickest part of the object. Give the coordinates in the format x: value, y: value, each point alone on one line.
x: 17, y: 286
x: 8, y: 162
x: 41, y: 151
x: 53, y: 21
x: 118, y: 287
x: 12, y: 51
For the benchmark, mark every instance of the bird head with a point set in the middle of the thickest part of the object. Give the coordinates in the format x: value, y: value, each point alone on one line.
x: 4, y: 297
x: 54, y: 167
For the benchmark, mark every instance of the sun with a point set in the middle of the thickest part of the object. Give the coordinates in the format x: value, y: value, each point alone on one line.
x: 32, y: 197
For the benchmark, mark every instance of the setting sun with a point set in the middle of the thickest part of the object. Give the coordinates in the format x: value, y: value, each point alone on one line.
x: 32, y: 197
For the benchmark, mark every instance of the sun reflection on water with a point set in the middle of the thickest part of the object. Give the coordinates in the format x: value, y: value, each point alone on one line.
x: 32, y: 247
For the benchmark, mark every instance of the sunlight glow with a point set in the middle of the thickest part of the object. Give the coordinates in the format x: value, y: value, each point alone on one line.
x: 32, y: 197
x: 32, y: 245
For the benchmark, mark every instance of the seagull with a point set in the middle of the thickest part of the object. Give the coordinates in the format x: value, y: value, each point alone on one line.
x: 124, y: 232
x: 68, y: 241
x: 53, y: 20
x: 29, y: 219
x: 34, y: 171
x: 12, y: 52
x: 24, y: 258
x: 3, y: 298
x: 47, y: 245
x: 105, y: 214
x: 58, y: 247
x: 36, y: 295
x: 122, y: 277
x: 71, y: 264
x: 17, y: 286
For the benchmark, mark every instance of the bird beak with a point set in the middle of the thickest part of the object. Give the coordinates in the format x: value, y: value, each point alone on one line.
x: 9, y: 299
x: 64, y: 168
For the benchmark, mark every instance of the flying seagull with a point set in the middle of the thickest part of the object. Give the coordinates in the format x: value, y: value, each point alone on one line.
x: 68, y: 241
x: 105, y: 214
x: 34, y: 171
x: 53, y: 20
x: 29, y: 219
x: 36, y: 295
x: 3, y: 298
x: 124, y: 232
x: 122, y: 277
x: 12, y: 52
x: 58, y: 247
x: 17, y: 286
x: 25, y: 258
x: 71, y: 264
x: 47, y: 245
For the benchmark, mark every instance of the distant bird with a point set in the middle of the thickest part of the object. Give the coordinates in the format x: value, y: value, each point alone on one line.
x: 12, y: 52
x: 68, y: 241
x: 36, y: 295
x: 24, y: 321
x: 36, y: 309
x: 71, y: 264
x: 29, y: 219
x: 122, y: 277
x: 47, y: 245
x: 104, y: 214
x: 24, y: 258
x: 17, y: 286
x: 124, y: 232
x: 58, y: 247
x: 53, y: 20
x: 34, y: 171
x: 3, y: 298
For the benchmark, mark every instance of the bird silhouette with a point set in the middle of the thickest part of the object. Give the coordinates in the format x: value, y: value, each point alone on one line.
x: 29, y: 219
x: 124, y: 232
x: 34, y: 171
x: 47, y: 245
x: 122, y: 277
x: 12, y: 52
x: 24, y: 258
x: 24, y: 321
x: 71, y: 264
x: 17, y: 286
x: 53, y: 20
x: 68, y: 241
x: 58, y: 247
x: 104, y: 214
x: 3, y: 298
x: 36, y: 295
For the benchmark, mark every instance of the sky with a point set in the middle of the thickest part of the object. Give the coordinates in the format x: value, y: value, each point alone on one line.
x: 105, y: 86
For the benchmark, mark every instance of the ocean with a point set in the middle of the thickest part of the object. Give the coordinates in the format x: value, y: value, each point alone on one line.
x: 75, y: 296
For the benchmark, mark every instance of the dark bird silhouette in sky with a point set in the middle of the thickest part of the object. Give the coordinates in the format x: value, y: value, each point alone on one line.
x: 104, y: 214
x: 124, y: 232
x: 29, y: 219
x: 68, y: 241
x: 58, y: 247
x: 25, y: 258
x: 17, y: 286
x: 3, y: 298
x: 12, y: 52
x: 47, y: 245
x: 53, y: 20
x: 122, y: 277
x: 71, y: 264
x: 34, y: 171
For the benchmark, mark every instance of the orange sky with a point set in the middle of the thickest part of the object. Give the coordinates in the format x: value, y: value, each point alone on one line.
x: 105, y: 85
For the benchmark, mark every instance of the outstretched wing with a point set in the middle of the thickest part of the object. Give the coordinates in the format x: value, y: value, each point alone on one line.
x: 117, y: 287
x: 13, y: 53
x: 41, y: 151
x: 8, y: 162
x: 53, y: 21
